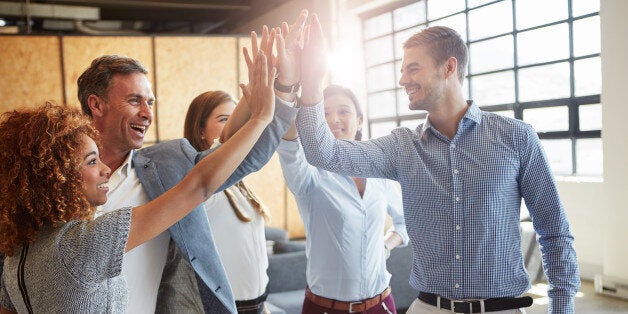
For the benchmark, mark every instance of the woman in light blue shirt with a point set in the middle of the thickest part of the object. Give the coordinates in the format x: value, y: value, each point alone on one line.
x: 344, y: 220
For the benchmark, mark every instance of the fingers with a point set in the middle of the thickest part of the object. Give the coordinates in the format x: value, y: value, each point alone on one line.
x: 281, y: 46
x: 258, y: 77
x: 316, y: 30
x: 264, y: 42
x: 300, y: 22
x: 254, y: 46
x: 285, y: 28
x: 245, y: 92
x: 247, y: 58
x: 272, y: 76
x: 263, y: 69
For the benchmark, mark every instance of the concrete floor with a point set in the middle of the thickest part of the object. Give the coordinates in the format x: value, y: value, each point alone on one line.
x: 587, y: 301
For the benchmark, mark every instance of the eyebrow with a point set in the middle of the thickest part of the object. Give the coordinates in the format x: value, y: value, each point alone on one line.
x: 89, y: 154
x: 408, y: 65
x: 134, y: 95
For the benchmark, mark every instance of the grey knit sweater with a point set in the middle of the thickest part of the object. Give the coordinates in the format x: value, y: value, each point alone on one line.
x: 74, y: 268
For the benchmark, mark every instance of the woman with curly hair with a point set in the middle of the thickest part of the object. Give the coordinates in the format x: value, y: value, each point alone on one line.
x: 59, y: 259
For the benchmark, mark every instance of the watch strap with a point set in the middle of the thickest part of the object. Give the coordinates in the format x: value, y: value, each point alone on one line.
x: 287, y: 88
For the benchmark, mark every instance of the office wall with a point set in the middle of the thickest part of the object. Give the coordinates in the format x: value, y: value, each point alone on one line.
x: 34, y: 69
x: 25, y: 79
x: 614, y: 22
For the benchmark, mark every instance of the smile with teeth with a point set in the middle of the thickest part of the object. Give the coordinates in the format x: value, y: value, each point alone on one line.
x: 103, y: 186
x: 411, y: 90
x: 140, y: 128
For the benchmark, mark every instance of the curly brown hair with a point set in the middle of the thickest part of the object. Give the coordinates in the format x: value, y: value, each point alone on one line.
x: 39, y: 179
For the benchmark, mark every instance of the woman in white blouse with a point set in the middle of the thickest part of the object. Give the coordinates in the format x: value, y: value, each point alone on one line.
x: 344, y: 221
x: 236, y: 216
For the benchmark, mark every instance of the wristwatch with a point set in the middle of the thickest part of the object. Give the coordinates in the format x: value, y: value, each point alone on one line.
x: 287, y: 89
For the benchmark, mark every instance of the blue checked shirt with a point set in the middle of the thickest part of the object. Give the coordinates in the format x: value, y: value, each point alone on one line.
x: 462, y: 200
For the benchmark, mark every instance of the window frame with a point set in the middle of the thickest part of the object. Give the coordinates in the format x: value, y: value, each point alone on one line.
x: 573, y: 102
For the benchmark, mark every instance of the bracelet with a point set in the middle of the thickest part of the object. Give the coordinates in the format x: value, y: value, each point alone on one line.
x: 287, y: 89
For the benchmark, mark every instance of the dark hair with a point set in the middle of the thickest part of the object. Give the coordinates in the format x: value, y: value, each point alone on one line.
x: 199, y: 110
x: 39, y: 181
x: 333, y: 90
x: 95, y: 80
x: 443, y: 42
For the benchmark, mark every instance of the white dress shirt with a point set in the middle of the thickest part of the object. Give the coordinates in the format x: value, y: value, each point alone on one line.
x: 344, y: 231
x: 241, y: 245
x: 142, y: 267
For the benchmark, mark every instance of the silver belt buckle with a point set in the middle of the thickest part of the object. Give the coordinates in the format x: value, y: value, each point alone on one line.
x: 452, y: 306
x: 351, y: 304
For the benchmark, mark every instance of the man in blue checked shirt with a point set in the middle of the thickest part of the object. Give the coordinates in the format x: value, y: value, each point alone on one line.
x: 463, y: 174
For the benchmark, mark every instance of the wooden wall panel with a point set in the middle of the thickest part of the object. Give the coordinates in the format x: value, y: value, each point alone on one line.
x: 186, y: 67
x: 269, y: 186
x: 30, y: 71
x: 79, y: 51
x: 293, y: 217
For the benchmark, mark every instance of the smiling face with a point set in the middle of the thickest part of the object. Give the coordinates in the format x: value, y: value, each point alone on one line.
x: 126, y: 112
x: 342, y: 117
x: 215, y: 122
x: 94, y: 172
x: 422, y: 79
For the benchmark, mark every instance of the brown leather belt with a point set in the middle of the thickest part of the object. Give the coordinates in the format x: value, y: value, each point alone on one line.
x: 351, y: 307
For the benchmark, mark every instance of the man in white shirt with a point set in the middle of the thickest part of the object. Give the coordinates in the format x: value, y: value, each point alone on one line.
x: 115, y: 92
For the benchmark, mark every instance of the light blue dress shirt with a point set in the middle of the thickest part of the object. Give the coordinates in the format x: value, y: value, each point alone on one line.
x: 462, y: 199
x: 344, y: 232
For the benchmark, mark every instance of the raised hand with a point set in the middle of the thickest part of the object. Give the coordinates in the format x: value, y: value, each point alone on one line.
x: 265, y: 45
x: 260, y: 94
x: 289, y: 44
x: 313, y: 63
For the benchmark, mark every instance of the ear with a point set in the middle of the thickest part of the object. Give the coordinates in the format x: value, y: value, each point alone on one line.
x: 96, y: 105
x: 451, y: 68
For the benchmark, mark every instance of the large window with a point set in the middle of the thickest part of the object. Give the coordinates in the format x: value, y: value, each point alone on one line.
x: 534, y: 60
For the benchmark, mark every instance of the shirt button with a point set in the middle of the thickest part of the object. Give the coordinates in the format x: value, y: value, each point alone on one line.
x: 458, y: 227
x: 456, y: 171
x: 457, y: 257
x: 453, y: 145
x: 457, y: 199
x: 456, y: 286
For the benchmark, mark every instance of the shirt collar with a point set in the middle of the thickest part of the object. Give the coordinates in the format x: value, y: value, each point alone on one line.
x: 473, y: 113
x: 127, y: 165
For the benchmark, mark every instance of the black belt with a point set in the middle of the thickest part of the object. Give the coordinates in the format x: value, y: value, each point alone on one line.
x: 248, y: 305
x: 475, y: 306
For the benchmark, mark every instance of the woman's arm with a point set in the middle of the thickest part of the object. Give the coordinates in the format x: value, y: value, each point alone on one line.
x: 151, y: 219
